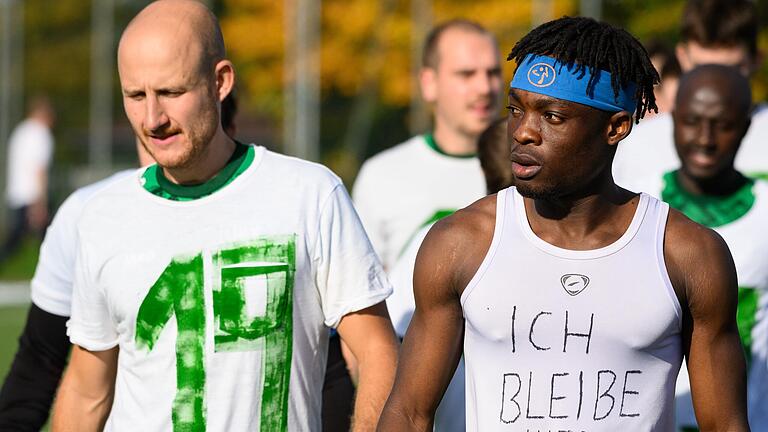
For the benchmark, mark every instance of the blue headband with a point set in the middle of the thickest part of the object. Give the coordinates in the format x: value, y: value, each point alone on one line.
x: 546, y: 75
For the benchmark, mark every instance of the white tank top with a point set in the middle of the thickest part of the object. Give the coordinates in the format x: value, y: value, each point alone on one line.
x: 565, y: 340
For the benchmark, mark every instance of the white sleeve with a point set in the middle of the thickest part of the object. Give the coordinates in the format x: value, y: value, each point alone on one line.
x: 90, y: 325
x: 348, y: 273
x: 367, y: 199
x: 52, y: 282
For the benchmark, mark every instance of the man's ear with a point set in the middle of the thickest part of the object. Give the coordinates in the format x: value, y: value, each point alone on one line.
x: 619, y: 126
x: 682, y: 57
x: 428, y: 84
x: 225, y: 78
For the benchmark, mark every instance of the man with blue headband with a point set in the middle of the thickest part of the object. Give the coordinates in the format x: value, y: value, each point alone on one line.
x: 573, y: 300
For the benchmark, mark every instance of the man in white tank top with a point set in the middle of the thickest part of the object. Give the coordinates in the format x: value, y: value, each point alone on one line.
x: 574, y: 300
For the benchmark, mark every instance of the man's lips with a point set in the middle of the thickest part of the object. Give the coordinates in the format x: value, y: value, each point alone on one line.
x: 524, y: 166
x: 702, y: 159
x: 163, y: 140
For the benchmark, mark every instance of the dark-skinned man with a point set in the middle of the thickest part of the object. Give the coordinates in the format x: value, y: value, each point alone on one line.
x: 574, y: 300
x: 205, y: 284
x: 711, y: 119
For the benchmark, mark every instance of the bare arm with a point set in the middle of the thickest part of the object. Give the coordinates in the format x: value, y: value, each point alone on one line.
x: 37, y: 216
x: 85, y: 395
x: 369, y: 335
x: 449, y: 256
x: 705, y: 271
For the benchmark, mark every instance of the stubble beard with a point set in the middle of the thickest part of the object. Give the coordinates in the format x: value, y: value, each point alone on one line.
x: 545, y: 193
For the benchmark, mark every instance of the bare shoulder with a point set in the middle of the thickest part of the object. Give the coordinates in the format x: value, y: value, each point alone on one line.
x: 697, y: 258
x: 456, y: 245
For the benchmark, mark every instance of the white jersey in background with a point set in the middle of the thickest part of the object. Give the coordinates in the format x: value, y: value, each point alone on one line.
x: 559, y: 339
x: 745, y: 233
x: 401, y: 306
x: 409, y: 186
x: 649, y: 151
x: 233, y: 291
x: 30, y: 150
x: 51, y: 285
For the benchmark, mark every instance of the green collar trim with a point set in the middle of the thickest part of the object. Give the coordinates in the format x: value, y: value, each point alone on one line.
x: 708, y: 210
x: 155, y: 182
x: 433, y: 145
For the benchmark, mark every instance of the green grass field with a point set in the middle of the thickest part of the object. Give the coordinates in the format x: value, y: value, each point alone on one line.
x: 11, y: 322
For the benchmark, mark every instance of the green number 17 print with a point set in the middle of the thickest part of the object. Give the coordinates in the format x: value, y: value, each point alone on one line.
x: 240, y: 276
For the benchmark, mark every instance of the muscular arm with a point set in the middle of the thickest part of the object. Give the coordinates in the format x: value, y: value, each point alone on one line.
x: 369, y: 335
x: 26, y: 396
x: 85, y: 396
x: 704, y: 273
x: 447, y: 260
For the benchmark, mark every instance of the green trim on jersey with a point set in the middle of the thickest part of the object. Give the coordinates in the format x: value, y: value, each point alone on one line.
x: 759, y: 175
x: 436, y: 216
x: 710, y: 211
x: 746, y: 317
x: 155, y: 182
x: 433, y: 145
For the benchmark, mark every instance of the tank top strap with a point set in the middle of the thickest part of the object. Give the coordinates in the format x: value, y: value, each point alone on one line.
x: 502, y: 203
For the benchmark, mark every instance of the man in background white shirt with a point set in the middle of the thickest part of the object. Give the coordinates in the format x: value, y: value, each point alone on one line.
x: 712, y: 32
x: 30, y: 148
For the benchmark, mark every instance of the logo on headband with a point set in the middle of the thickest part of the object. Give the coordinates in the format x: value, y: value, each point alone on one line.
x: 541, y: 75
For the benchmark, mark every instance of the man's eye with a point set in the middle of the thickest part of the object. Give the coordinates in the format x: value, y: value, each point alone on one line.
x: 553, y: 117
x: 513, y: 110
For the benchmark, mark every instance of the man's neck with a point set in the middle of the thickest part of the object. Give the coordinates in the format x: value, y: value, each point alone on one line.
x: 453, y: 142
x: 208, y: 164
x: 583, y: 222
x: 721, y: 185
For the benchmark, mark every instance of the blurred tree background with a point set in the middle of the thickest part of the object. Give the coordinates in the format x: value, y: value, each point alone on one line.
x: 368, y: 99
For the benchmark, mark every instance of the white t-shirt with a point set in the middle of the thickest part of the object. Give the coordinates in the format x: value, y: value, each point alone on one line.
x: 234, y: 292
x: 408, y: 186
x: 52, y: 282
x: 649, y: 150
x: 30, y: 148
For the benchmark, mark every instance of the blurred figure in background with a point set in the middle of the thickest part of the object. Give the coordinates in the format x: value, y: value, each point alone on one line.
x: 493, y: 151
x: 30, y: 150
x: 712, y: 31
x: 414, y: 184
x: 27, y: 393
x: 666, y: 64
x: 710, y: 120
x: 417, y: 182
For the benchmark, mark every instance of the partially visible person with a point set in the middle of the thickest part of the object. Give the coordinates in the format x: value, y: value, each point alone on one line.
x: 30, y: 150
x: 493, y: 151
x: 666, y: 64
x: 712, y: 31
x: 223, y: 262
x: 572, y: 299
x: 27, y: 392
x: 415, y: 183
x: 711, y: 118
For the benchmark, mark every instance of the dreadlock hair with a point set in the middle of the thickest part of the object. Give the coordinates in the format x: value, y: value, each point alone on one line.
x: 587, y: 43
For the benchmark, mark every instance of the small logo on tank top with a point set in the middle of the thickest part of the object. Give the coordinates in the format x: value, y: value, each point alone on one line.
x: 574, y: 283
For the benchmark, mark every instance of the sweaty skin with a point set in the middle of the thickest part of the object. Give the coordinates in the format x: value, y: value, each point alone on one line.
x: 573, y: 203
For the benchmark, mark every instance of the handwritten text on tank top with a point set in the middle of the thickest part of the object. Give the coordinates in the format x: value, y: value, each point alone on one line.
x: 575, y: 395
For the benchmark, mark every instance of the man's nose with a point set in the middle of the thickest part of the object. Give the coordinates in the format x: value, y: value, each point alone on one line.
x: 155, y: 116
